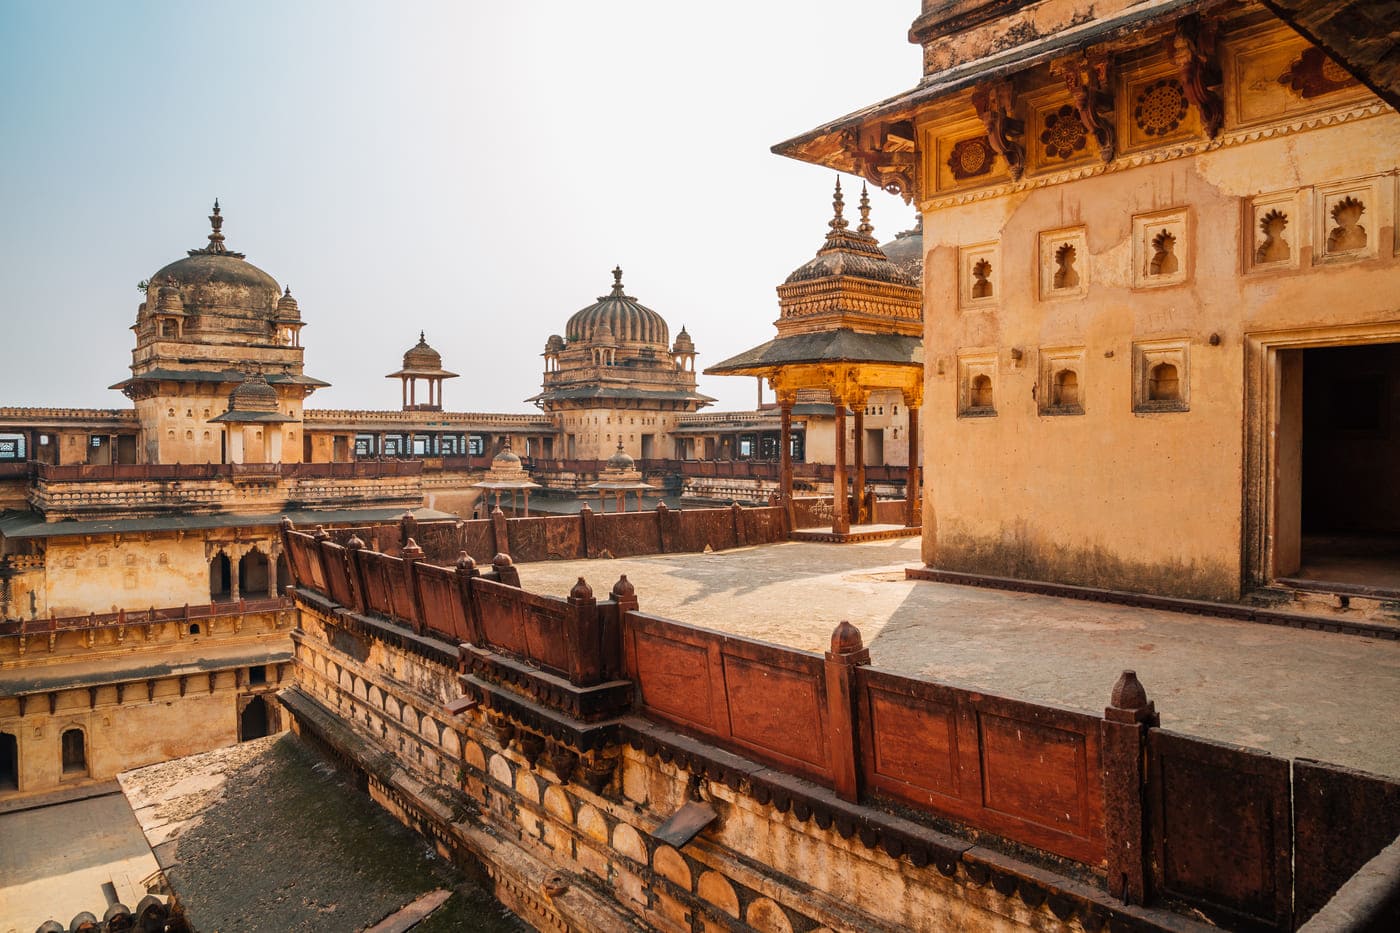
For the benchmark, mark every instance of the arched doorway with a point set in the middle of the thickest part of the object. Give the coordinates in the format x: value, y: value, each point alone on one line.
x: 220, y: 577
x: 253, y: 575
x: 74, y: 752
x: 252, y: 723
x: 9, y: 762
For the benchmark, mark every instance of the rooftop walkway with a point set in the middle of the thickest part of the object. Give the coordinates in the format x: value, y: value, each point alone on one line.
x: 1295, y: 693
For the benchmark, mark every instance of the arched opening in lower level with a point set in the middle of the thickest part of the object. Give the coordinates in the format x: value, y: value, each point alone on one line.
x: 253, y: 575
x: 220, y: 577
x: 252, y: 723
x: 9, y: 762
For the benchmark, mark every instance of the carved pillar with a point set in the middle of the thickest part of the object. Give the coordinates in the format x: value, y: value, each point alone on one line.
x: 858, y: 441
x: 840, y: 515
x: 785, y: 402
x: 911, y: 476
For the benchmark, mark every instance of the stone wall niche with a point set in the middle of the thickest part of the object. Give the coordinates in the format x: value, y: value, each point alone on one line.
x: 1064, y: 264
x: 979, y: 275
x: 1276, y: 232
x: 1348, y: 217
x: 977, y: 384
x: 1161, y: 376
x: 1061, y: 387
x: 1161, y: 249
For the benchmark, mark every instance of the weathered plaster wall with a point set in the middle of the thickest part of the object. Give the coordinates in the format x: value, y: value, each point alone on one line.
x: 1146, y: 501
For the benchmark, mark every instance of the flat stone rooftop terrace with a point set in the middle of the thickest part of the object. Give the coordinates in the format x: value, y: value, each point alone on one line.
x: 1295, y: 693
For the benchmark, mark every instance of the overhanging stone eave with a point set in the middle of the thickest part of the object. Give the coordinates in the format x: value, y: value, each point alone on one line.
x: 824, y: 145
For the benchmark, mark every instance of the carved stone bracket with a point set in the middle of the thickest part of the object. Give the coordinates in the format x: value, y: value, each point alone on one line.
x: 995, y: 104
x: 1088, y: 81
x: 1193, y: 51
x: 885, y: 155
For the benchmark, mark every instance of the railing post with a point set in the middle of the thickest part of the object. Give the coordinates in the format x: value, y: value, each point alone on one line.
x: 736, y: 511
x: 661, y: 515
x: 285, y: 528
x: 585, y: 661
x: 466, y: 572
x: 505, y: 570
x: 846, y: 654
x: 353, y: 547
x: 625, y: 600
x: 411, y: 554
x: 500, y: 530
x: 584, y: 514
x: 408, y: 528
x: 1123, y: 732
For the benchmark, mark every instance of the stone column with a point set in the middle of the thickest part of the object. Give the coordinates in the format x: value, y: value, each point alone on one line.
x: 858, y: 441
x: 785, y: 400
x: 840, y: 515
x: 911, y: 481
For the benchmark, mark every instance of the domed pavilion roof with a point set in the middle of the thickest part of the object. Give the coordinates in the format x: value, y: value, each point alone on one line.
x: 854, y: 253
x: 621, y: 459
x: 253, y: 399
x: 422, y: 360
x: 628, y: 320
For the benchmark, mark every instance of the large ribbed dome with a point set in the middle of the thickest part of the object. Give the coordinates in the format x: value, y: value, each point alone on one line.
x: 629, y: 321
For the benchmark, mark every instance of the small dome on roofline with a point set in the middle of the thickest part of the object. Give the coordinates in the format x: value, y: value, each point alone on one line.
x: 621, y: 460
x: 505, y: 457
x: 421, y: 356
x: 253, y: 394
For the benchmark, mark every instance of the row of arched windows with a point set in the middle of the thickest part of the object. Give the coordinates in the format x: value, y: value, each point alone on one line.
x: 1163, y: 385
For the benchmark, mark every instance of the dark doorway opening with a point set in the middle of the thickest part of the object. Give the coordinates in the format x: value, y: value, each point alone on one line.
x: 1349, y: 498
x: 9, y: 762
x: 74, y: 752
x: 253, y: 575
x: 284, y: 574
x: 220, y: 578
x: 252, y: 723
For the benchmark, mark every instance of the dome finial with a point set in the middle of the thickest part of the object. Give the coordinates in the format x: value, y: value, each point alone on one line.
x: 837, y: 221
x: 423, y: 337
x: 865, y: 228
x: 617, y: 280
x: 216, y: 238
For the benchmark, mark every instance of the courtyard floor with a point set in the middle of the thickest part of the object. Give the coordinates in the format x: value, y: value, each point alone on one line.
x: 1295, y: 693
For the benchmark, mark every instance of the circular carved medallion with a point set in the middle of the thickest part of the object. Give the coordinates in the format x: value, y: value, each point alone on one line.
x: 1161, y: 106
x: 1064, y: 134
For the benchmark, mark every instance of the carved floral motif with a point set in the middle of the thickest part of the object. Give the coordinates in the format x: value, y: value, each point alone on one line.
x: 1313, y: 74
x: 1160, y: 107
x: 1064, y: 134
x: 970, y: 158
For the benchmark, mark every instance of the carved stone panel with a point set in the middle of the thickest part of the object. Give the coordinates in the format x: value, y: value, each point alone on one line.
x: 977, y: 383
x: 979, y: 271
x: 1161, y: 249
x: 1348, y: 217
x: 1276, y: 231
x: 1060, y: 390
x: 1278, y: 75
x: 1161, y: 376
x: 1063, y: 259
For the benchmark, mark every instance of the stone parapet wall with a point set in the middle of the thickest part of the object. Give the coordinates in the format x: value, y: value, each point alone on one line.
x: 809, y: 771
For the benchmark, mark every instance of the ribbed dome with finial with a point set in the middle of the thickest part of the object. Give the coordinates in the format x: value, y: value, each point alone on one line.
x: 854, y: 253
x: 627, y: 320
x: 217, y: 276
x: 421, y: 356
x: 253, y: 394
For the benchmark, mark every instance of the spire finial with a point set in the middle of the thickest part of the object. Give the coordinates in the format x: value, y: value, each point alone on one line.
x: 837, y: 221
x: 865, y: 228
x: 216, y: 238
x: 617, y: 280
x: 422, y: 336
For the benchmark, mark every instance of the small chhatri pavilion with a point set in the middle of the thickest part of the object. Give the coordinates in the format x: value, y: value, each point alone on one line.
x: 620, y: 477
x: 422, y: 362
x: 851, y: 322
x: 507, y: 474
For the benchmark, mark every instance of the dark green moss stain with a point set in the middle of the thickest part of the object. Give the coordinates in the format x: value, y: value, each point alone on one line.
x: 294, y: 847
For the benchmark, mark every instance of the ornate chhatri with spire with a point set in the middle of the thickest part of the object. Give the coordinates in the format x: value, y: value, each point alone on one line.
x: 422, y: 362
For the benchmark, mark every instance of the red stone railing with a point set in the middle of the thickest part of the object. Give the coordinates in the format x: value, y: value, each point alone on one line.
x: 185, y: 613
x: 1245, y: 837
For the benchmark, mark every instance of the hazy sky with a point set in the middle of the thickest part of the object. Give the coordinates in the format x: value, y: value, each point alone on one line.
x: 472, y: 169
